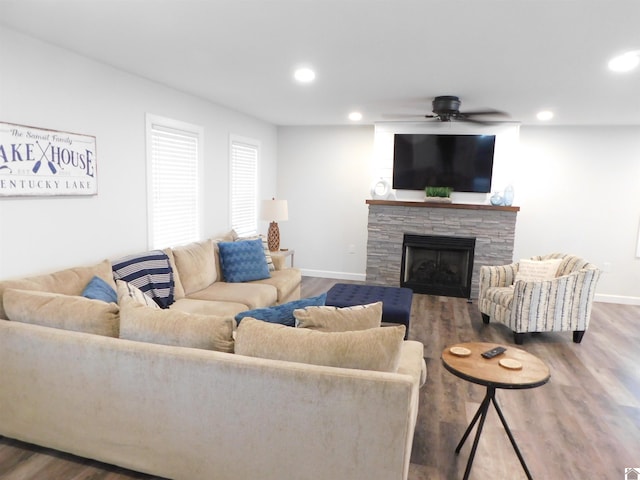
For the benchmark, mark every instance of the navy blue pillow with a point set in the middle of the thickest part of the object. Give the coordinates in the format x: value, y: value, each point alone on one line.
x: 282, y: 313
x: 98, y: 289
x: 243, y: 261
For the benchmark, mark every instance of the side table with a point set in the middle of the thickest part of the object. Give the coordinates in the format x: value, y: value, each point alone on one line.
x: 471, y: 366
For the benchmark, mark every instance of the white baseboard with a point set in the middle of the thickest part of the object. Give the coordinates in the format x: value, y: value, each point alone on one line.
x: 361, y: 277
x: 356, y: 277
x: 617, y: 299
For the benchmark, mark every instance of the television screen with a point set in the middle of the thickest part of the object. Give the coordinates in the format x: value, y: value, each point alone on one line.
x: 462, y: 162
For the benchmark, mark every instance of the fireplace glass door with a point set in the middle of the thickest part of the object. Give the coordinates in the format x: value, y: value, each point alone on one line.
x: 437, y: 265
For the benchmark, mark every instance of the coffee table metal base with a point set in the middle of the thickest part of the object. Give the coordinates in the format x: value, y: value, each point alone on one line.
x: 481, y: 414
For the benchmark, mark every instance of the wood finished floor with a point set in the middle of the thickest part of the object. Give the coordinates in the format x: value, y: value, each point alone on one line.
x: 585, y: 423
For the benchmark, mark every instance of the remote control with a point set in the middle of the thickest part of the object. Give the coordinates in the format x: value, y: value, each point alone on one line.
x: 494, y: 352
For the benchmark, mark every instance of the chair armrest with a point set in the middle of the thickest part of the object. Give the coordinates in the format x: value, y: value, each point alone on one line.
x: 497, y: 276
x: 565, y: 300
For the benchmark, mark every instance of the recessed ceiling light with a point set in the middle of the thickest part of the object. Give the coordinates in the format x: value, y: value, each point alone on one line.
x: 355, y: 116
x: 625, y: 62
x: 545, y: 115
x: 304, y: 75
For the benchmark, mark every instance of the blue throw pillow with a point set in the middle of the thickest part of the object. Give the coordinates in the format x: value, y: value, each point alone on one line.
x: 243, y: 261
x: 282, y: 313
x: 98, y: 289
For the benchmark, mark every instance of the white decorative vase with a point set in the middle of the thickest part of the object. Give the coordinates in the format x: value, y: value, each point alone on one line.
x: 508, y: 195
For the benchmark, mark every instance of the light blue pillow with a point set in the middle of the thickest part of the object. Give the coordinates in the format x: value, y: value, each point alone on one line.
x: 283, y: 313
x: 243, y: 261
x: 98, y: 289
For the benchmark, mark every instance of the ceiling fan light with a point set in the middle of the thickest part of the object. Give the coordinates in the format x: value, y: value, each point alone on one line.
x: 625, y: 62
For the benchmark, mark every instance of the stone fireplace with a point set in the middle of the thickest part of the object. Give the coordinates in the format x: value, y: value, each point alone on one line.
x: 493, y: 229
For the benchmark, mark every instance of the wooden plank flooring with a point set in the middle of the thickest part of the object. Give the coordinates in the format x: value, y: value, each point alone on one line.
x: 585, y: 423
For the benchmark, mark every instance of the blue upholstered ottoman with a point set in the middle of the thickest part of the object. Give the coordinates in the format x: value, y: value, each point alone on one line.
x: 396, y: 301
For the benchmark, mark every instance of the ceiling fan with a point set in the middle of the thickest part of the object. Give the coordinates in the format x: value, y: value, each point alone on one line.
x: 447, y: 108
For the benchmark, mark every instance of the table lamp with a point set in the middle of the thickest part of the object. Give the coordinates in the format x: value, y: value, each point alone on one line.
x: 273, y: 211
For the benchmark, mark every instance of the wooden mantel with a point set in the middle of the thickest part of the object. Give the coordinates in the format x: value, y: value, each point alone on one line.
x: 426, y: 204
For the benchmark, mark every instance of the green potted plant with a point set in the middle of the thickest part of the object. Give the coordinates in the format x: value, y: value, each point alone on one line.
x: 438, y: 194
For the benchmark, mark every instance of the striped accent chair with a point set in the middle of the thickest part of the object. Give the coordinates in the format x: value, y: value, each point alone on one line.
x: 559, y: 304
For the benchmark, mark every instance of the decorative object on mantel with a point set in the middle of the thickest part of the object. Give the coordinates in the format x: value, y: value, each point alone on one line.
x: 503, y: 199
x: 381, y: 190
x: 508, y: 195
x: 273, y: 211
x: 496, y: 199
x: 438, y: 194
x: 42, y: 162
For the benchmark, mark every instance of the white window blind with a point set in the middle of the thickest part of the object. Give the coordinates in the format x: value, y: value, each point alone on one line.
x: 244, y: 186
x: 174, y: 206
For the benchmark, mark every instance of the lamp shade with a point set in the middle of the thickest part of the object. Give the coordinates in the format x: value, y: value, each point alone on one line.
x: 274, y: 210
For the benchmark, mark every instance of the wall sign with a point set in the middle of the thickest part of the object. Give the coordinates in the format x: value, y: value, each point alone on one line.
x: 38, y: 161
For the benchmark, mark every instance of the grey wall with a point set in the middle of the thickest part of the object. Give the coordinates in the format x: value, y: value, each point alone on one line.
x: 44, y: 86
x: 577, y: 188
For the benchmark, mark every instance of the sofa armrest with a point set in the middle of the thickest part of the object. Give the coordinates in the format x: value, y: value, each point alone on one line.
x: 412, y: 361
x: 279, y: 262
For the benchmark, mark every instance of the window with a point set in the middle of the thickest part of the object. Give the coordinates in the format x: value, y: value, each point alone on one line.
x: 244, y: 185
x: 174, y: 152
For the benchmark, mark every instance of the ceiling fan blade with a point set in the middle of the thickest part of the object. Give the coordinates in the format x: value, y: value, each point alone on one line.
x: 478, y: 121
x: 406, y: 116
x: 484, y: 112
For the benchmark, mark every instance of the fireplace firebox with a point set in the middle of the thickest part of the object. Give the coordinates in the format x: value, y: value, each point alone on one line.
x: 437, y: 265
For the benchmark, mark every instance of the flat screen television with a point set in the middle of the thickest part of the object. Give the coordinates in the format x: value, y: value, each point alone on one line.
x: 462, y: 162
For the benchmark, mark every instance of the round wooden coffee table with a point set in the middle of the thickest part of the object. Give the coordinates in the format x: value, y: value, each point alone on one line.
x: 520, y: 370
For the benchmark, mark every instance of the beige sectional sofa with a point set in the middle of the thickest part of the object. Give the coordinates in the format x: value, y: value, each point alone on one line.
x: 191, y: 413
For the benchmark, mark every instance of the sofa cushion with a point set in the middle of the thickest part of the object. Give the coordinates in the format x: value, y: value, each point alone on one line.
x: 372, y: 349
x: 151, y: 272
x: 208, y: 307
x: 172, y: 327
x: 285, y: 282
x: 125, y: 289
x: 252, y: 294
x: 71, y: 281
x: 537, y: 270
x: 243, y: 261
x: 196, y: 265
x: 335, y: 319
x: 66, y: 312
x: 283, y: 313
x: 98, y: 289
x: 178, y: 289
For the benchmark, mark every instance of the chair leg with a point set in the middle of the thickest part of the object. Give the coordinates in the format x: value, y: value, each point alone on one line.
x: 485, y: 319
x: 518, y: 338
x: 577, y: 336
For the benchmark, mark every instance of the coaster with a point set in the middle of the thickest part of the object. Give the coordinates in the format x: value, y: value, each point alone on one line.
x: 510, y: 363
x: 460, y: 351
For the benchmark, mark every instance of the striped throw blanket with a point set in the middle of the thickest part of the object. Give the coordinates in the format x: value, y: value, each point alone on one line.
x: 151, y: 272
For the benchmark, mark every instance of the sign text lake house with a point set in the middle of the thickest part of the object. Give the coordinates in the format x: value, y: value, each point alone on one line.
x: 36, y: 161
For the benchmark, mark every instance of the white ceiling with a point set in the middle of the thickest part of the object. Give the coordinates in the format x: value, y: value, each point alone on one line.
x: 376, y: 56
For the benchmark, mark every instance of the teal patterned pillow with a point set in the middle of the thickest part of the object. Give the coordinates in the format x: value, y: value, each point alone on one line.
x: 243, y: 261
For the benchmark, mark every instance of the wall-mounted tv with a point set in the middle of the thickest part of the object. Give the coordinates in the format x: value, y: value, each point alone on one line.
x: 462, y: 162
